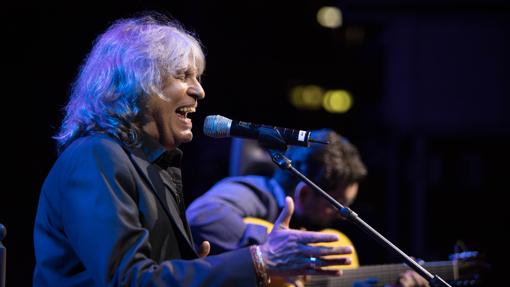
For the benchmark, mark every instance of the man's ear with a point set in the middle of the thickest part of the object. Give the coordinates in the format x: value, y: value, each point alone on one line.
x: 302, y: 193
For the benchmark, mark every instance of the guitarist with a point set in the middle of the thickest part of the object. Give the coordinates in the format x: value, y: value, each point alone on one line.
x: 218, y: 215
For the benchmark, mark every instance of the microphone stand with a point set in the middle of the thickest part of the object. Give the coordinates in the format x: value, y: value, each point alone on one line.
x: 271, y: 140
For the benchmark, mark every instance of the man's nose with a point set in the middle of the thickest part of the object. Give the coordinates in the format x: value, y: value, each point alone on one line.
x: 329, y: 210
x: 196, y: 91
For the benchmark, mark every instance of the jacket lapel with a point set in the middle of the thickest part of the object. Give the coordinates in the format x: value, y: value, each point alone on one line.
x: 151, y: 174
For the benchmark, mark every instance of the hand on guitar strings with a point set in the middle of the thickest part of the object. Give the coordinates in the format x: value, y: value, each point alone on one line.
x: 287, y: 252
x: 411, y: 279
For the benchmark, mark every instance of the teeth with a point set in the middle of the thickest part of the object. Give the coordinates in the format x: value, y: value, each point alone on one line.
x: 186, y: 109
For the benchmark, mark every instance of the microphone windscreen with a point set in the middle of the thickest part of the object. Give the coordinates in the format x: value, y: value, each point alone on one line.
x: 217, y: 126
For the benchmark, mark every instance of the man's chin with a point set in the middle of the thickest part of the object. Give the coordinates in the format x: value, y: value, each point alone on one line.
x: 186, y: 137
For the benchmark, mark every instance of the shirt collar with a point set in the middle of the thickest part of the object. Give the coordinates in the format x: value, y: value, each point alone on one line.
x: 157, y: 154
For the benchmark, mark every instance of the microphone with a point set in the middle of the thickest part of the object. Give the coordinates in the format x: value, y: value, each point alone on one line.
x: 220, y: 127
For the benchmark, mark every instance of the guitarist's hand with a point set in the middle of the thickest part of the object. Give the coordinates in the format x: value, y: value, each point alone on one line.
x: 287, y: 252
x: 411, y: 279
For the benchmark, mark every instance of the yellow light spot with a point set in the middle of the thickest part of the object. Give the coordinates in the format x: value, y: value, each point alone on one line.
x: 312, y: 97
x: 329, y: 17
x: 296, y: 97
x: 337, y: 101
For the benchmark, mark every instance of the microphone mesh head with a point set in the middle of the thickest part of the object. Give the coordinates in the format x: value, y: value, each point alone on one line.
x: 217, y: 126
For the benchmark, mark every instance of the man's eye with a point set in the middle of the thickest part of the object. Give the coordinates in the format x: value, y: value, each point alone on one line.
x: 186, y: 75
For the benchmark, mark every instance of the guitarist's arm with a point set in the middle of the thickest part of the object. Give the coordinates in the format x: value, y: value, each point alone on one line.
x: 217, y: 216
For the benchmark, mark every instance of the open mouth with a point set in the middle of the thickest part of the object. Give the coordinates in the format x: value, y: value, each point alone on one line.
x: 185, y: 111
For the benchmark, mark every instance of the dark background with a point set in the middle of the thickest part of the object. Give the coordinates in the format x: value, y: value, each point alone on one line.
x: 431, y: 114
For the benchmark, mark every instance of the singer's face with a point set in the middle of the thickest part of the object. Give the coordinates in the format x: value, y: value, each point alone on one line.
x: 318, y: 211
x: 168, y: 115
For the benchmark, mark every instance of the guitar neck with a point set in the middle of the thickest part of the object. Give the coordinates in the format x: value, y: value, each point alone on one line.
x: 385, y: 274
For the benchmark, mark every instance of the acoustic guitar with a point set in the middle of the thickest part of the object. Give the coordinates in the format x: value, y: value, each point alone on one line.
x: 462, y: 269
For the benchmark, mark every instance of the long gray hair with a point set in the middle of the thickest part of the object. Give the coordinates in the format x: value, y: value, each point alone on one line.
x: 128, y: 63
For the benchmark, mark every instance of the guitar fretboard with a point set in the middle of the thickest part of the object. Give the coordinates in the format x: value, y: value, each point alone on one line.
x: 385, y: 274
